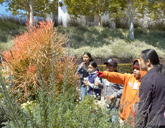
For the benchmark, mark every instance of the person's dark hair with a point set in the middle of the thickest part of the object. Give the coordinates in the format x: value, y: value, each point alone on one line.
x: 150, y: 54
x: 89, y: 55
x: 94, y: 64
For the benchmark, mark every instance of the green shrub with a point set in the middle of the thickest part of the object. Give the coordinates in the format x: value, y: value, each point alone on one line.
x: 3, y: 117
x: 49, y: 111
x: 159, y: 25
x: 121, y: 49
x: 121, y: 21
x: 122, y: 68
x: 106, y: 23
x: 6, y: 46
x: 73, y: 22
x: 125, y: 68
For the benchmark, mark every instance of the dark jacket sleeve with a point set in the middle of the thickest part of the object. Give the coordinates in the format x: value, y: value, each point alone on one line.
x: 145, y: 94
x: 82, y: 71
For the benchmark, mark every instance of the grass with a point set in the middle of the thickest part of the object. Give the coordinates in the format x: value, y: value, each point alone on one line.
x: 104, y: 42
x: 97, y: 36
x: 101, y: 42
x: 10, y: 27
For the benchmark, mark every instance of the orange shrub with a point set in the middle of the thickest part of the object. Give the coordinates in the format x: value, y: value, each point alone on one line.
x: 39, y: 49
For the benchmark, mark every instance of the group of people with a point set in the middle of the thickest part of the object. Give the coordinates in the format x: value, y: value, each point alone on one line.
x: 139, y: 97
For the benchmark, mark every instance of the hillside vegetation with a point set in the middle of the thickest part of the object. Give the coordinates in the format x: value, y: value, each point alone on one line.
x: 104, y: 42
x: 9, y: 28
x: 101, y: 42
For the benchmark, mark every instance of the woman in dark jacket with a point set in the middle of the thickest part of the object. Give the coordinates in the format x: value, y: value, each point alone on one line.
x: 151, y: 109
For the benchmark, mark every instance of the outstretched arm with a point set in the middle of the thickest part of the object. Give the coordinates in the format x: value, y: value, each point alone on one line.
x: 113, y: 77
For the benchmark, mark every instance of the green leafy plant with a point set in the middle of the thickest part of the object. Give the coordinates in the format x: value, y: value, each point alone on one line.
x: 122, y: 68
x: 52, y: 110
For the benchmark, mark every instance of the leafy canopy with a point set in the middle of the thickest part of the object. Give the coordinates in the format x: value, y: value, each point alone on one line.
x: 86, y: 7
x: 17, y: 7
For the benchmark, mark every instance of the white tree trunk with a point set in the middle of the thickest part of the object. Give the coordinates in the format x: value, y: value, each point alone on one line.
x: 51, y: 14
x: 99, y: 23
x: 131, y: 24
x: 27, y: 10
x: 31, y: 12
x: 85, y: 20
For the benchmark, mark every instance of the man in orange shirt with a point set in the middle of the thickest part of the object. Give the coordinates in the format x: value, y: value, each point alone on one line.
x: 131, y: 84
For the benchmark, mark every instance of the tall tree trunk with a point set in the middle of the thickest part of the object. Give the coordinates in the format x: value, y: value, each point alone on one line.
x: 27, y: 10
x: 31, y: 12
x: 99, y: 19
x: 51, y: 13
x: 85, y: 20
x: 131, y: 24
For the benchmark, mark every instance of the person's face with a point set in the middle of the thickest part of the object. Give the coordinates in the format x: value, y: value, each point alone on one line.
x: 142, y: 64
x: 91, y: 68
x: 136, y: 72
x: 86, y: 58
x: 110, y: 68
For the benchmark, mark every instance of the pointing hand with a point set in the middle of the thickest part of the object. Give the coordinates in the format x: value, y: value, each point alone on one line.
x: 100, y: 74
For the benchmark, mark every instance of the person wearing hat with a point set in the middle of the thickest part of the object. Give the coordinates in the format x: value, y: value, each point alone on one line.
x: 130, y: 96
x: 112, y: 91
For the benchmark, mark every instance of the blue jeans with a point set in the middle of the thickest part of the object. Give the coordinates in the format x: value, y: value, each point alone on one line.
x: 83, y: 92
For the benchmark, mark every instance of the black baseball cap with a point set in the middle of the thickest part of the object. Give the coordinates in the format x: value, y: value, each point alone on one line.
x: 111, y: 62
x: 136, y: 65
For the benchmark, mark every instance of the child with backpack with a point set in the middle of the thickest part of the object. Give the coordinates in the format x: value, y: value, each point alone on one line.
x: 92, y: 88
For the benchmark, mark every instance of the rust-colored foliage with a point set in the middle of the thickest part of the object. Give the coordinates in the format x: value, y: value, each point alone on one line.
x: 33, y: 51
